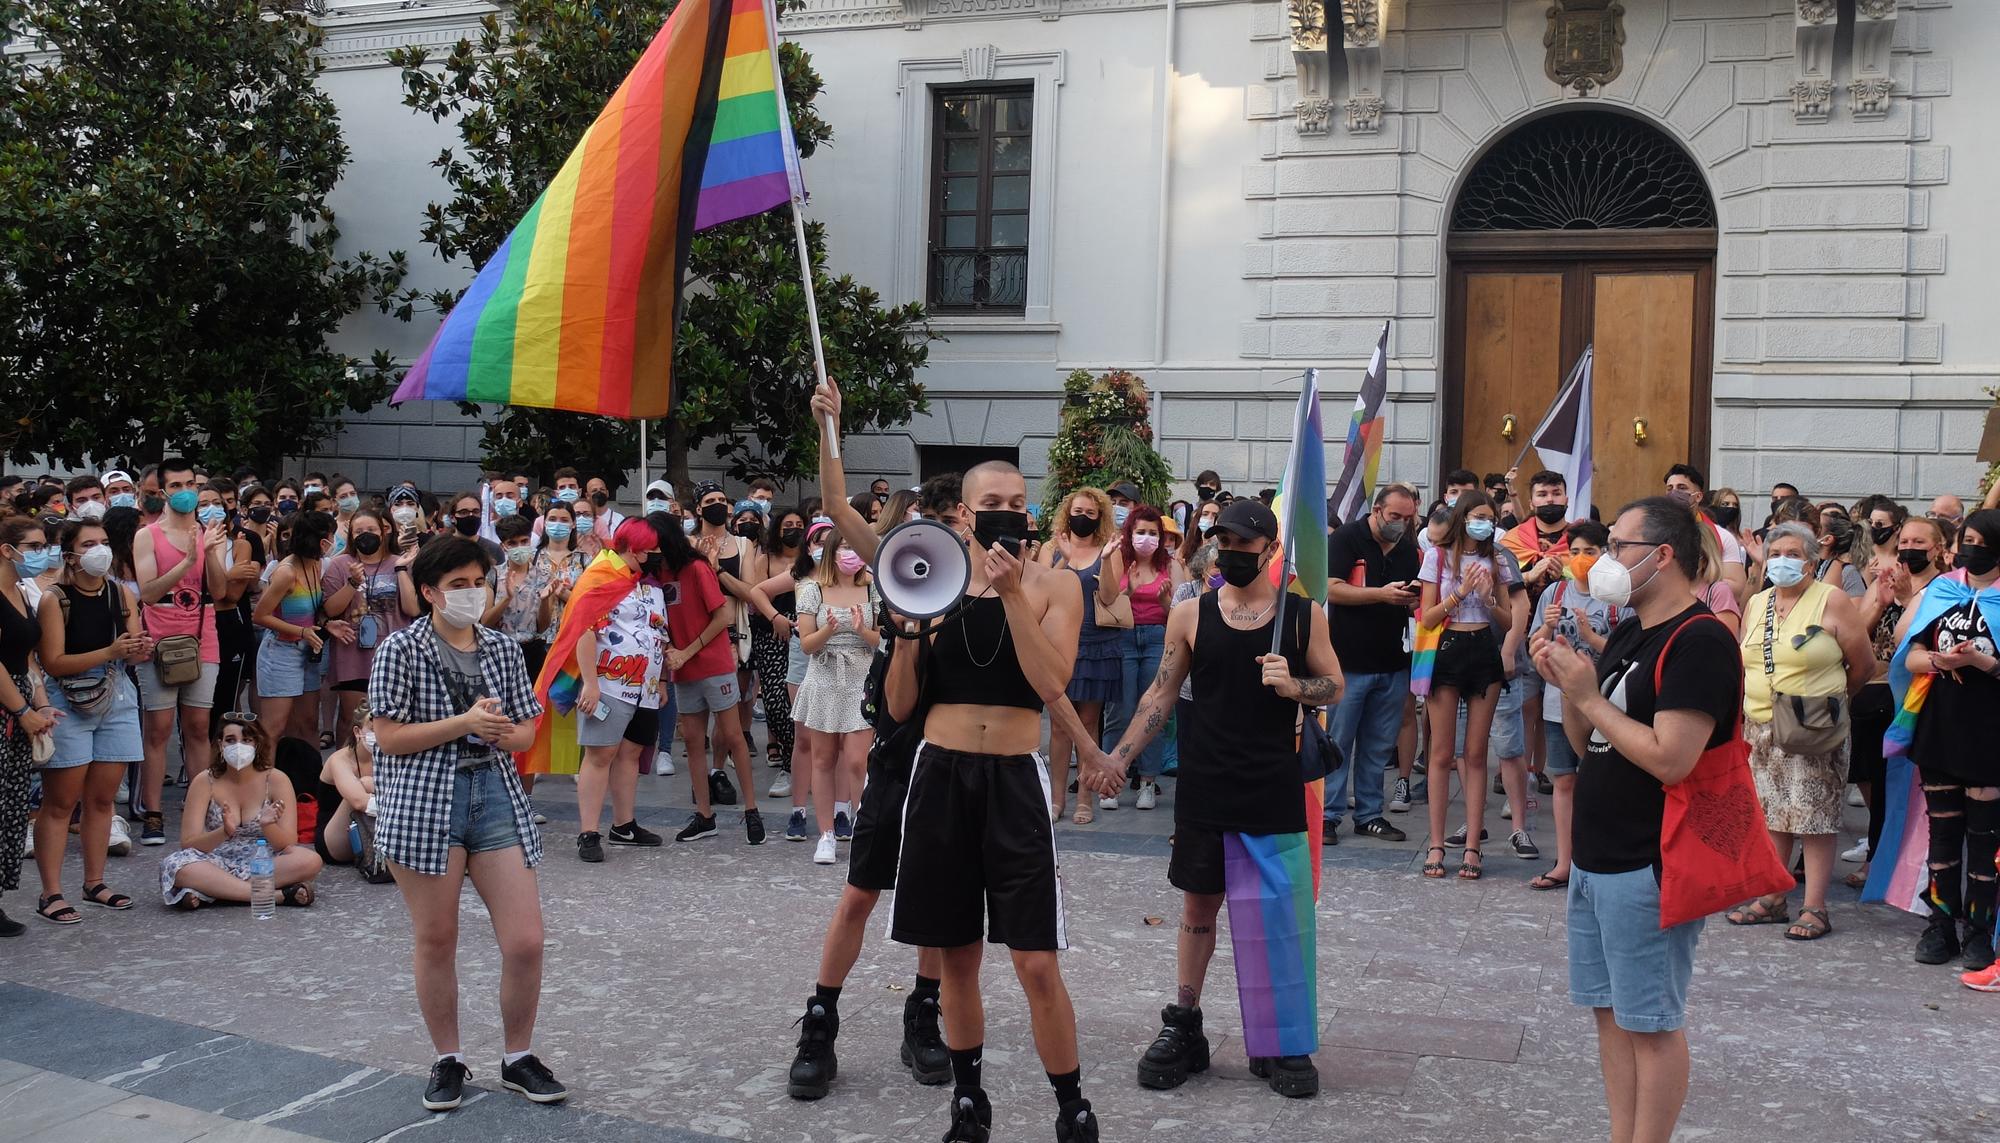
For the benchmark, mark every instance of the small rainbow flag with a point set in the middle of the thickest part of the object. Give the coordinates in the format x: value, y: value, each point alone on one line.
x: 601, y: 587
x: 578, y: 308
x: 1273, y: 927
x: 1423, y: 658
x: 1300, y: 506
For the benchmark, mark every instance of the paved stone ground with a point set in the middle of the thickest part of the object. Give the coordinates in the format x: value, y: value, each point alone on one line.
x: 675, y: 975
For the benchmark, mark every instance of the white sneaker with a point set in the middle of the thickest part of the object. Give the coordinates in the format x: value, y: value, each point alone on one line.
x: 1858, y: 854
x: 825, y: 852
x: 1108, y: 804
x: 124, y: 791
x: 539, y: 818
x: 121, y: 838
x: 1507, y: 812
x: 663, y: 764
x: 1854, y: 797
x: 1149, y: 795
x: 782, y: 788
x: 29, y: 849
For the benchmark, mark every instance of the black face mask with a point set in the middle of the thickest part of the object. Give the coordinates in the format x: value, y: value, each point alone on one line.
x: 1881, y: 535
x: 1082, y: 525
x: 717, y: 514
x: 600, y: 498
x: 654, y: 566
x: 367, y: 544
x: 1726, y: 515
x: 1002, y: 527
x: 1916, y: 559
x: 792, y: 537
x: 1238, y: 568
x: 749, y: 530
x: 287, y: 507
x: 1207, y: 494
x: 153, y: 505
x: 467, y: 526
x: 1551, y: 513
x: 260, y: 513
x: 1978, y: 558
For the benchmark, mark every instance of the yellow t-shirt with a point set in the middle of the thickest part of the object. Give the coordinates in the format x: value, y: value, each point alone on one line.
x: 1813, y: 669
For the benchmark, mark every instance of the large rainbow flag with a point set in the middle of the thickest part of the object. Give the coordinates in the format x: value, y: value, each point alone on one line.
x: 601, y: 587
x: 1273, y: 929
x: 578, y: 308
x: 1365, y: 429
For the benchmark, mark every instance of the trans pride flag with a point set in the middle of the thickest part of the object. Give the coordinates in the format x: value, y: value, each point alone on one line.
x: 578, y: 308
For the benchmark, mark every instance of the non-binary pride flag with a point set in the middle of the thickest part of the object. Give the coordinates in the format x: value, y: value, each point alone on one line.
x: 1356, y: 488
x: 577, y: 309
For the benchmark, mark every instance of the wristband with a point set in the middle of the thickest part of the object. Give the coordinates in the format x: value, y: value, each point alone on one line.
x: 25, y: 708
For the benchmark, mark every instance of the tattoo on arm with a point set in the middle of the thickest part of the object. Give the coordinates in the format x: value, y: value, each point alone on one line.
x: 1318, y: 691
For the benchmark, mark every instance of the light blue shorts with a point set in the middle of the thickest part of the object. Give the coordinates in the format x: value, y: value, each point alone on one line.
x: 795, y: 665
x: 110, y: 737
x: 1559, y: 759
x: 482, y: 812
x: 1620, y: 958
x: 283, y: 670
x: 1505, y: 739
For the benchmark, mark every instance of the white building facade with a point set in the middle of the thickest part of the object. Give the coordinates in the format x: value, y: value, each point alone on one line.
x: 1765, y: 216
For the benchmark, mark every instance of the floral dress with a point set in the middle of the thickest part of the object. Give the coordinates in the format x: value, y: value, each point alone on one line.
x: 830, y: 699
x: 233, y: 855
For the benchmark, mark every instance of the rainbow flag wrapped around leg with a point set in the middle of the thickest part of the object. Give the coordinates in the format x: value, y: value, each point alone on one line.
x: 601, y: 587
x: 1273, y: 928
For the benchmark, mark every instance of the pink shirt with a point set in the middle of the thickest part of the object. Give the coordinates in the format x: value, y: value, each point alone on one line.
x: 181, y: 610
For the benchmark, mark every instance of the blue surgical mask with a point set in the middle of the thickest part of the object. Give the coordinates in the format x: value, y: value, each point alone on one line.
x: 349, y: 503
x: 1785, y: 571
x: 213, y: 514
x: 556, y: 530
x: 688, y: 524
x: 1451, y: 501
x: 1479, y: 529
x: 655, y: 504
x: 1119, y: 513
x: 124, y: 500
x: 504, y: 507
x: 184, y: 500
x: 1204, y: 525
x: 32, y: 564
x: 585, y: 523
x: 339, y: 544
x: 567, y: 495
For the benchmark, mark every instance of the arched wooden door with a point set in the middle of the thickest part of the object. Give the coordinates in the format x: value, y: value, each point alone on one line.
x: 1583, y: 228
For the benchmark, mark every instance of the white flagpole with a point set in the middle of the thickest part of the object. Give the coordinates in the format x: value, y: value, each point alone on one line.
x: 644, y: 477
x: 798, y: 219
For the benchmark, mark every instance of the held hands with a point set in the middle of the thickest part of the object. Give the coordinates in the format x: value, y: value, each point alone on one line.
x: 1278, y: 676
x: 1096, y: 772
x: 486, y: 720
x: 677, y: 657
x: 781, y: 627
x: 34, y: 722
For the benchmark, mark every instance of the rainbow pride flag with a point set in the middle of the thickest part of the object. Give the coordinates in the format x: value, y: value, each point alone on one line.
x: 1301, y: 506
x: 601, y: 587
x: 1273, y: 927
x: 578, y: 308
x: 1423, y: 658
x: 1365, y: 429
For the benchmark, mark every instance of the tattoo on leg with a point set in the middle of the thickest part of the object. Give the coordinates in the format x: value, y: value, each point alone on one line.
x: 1197, y: 930
x: 1187, y: 997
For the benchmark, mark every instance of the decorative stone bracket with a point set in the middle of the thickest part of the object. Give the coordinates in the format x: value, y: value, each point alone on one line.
x: 1874, y: 28
x: 1309, y: 59
x: 1361, y: 39
x: 1812, y: 33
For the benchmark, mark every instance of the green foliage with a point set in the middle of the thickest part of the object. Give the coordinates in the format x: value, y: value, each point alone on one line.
x: 522, y: 96
x: 1105, y: 436
x: 167, y: 269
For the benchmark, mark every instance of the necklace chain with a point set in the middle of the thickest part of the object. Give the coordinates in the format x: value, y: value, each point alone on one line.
x: 964, y: 635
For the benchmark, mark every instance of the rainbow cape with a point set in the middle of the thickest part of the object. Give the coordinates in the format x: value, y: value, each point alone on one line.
x: 1268, y: 885
x: 577, y: 310
x: 601, y: 587
x: 1899, y: 871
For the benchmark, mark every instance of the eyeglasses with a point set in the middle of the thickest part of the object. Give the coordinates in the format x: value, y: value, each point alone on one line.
x: 1615, y: 545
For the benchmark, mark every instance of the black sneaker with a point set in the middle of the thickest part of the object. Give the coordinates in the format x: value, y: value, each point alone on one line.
x: 1382, y: 830
x: 814, y: 1067
x: 1076, y: 1123
x: 843, y: 827
x: 1978, y: 948
x: 1293, y: 1077
x: 720, y: 791
x: 1543, y: 784
x: 1180, y: 1050
x: 590, y: 847
x: 1524, y: 846
x: 753, y: 826
x: 153, y: 832
x: 1939, y: 942
x: 632, y: 833
x: 10, y: 927
x: 1327, y: 835
x: 699, y: 826
x: 795, y: 828
x: 971, y: 1122
x: 532, y: 1078
x: 1457, y: 837
x: 447, y: 1087
x: 924, y: 1052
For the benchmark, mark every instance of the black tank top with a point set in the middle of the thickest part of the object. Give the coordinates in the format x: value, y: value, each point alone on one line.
x: 90, y: 626
x: 1239, y: 771
x: 972, y: 661
x: 20, y: 631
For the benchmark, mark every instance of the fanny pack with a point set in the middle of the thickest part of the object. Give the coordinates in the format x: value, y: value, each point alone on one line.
x: 177, y: 658
x: 1800, y: 724
x: 89, y: 696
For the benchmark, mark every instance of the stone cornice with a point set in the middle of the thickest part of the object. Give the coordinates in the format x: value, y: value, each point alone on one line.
x: 363, y: 33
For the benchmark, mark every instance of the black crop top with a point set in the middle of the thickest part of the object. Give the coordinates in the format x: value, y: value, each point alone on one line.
x: 972, y: 661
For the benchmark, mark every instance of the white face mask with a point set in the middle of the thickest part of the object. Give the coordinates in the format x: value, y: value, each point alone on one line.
x: 504, y: 507
x: 1611, y: 581
x: 655, y: 505
x: 404, y: 516
x: 238, y: 754
x: 463, y: 606
x: 90, y: 510
x: 521, y: 556
x: 367, y: 738
x: 95, y: 561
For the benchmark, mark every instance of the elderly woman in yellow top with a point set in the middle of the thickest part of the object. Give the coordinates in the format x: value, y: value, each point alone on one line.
x: 1802, y: 639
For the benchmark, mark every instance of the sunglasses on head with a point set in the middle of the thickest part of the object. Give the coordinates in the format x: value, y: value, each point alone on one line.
x: 243, y: 716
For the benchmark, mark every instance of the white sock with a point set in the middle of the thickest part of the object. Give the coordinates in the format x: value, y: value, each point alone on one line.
x: 515, y: 1057
x: 840, y: 807
x: 459, y: 1056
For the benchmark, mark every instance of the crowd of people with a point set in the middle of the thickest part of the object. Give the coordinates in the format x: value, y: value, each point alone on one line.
x: 378, y: 679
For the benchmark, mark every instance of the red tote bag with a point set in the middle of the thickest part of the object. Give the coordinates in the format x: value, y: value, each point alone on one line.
x: 1714, y: 849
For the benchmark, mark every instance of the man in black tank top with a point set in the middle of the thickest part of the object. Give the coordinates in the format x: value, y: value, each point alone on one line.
x: 1240, y: 813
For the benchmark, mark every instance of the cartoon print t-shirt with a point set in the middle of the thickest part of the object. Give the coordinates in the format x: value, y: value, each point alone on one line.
x: 631, y: 648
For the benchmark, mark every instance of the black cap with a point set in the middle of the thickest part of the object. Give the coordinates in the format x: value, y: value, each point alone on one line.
x: 1248, y: 518
x: 1128, y: 490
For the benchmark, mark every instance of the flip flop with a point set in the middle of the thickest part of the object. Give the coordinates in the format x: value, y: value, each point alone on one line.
x: 1545, y: 882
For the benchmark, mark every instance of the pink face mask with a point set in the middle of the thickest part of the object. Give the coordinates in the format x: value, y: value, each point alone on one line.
x: 1145, y: 545
x: 849, y: 562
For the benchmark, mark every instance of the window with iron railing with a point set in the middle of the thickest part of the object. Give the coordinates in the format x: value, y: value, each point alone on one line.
x: 981, y: 154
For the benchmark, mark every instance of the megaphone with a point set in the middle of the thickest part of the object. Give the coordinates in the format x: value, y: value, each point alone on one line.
x: 921, y: 569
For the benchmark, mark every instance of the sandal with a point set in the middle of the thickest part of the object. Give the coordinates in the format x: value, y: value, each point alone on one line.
x: 1759, y: 912
x: 1085, y: 813
x: 1468, y: 871
x: 1856, y: 880
x: 1434, y: 869
x: 326, y: 740
x: 1548, y: 881
x: 102, y: 894
x: 189, y: 903
x: 67, y: 915
x: 1808, y: 929
x: 300, y: 895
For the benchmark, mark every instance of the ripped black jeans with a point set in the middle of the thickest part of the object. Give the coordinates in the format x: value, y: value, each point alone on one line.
x: 1965, y: 834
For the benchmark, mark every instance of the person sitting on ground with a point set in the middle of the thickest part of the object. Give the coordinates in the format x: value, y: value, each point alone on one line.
x: 240, y: 799
x: 346, y: 794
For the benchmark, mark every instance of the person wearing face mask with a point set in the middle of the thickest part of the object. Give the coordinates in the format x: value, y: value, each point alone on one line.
x: 1084, y: 535
x: 239, y: 800
x: 1884, y: 519
x: 1237, y: 807
x: 468, y: 519
x: 1725, y: 507
x: 380, y: 601
x: 659, y: 497
x: 771, y: 623
x: 451, y: 700
x: 25, y: 712
x: 345, y: 794
x: 180, y: 564
x: 406, y: 517
x: 563, y: 553
x: 836, y: 608
x: 1457, y: 482
x: 1665, y: 690
x: 242, y: 564
x: 524, y: 592
x: 728, y: 554
x: 597, y: 493
x: 286, y: 500
x: 89, y: 634
x: 1837, y: 543
x: 1125, y: 497
x: 119, y: 490
x: 1206, y: 485
x: 86, y: 496
x: 1139, y: 569
x: 346, y: 501
x: 1687, y: 487
x: 1202, y: 522
x: 1802, y: 640
x: 1566, y: 610
x: 618, y: 651
x: 1540, y: 543
x: 775, y: 599
x: 293, y: 612
x: 1372, y: 566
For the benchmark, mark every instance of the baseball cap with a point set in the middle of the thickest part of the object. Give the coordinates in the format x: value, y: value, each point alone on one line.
x: 665, y: 490
x: 117, y: 476
x: 1247, y: 518
x: 1128, y: 490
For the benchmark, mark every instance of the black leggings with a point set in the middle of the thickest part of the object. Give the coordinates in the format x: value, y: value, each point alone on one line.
x: 1965, y: 834
x: 1874, y: 710
x: 771, y: 656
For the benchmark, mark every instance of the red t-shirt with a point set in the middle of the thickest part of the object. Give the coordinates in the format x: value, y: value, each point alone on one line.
x: 692, y: 599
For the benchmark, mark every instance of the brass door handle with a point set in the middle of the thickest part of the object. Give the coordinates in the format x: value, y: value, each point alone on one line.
x: 1508, y: 424
x: 1638, y: 430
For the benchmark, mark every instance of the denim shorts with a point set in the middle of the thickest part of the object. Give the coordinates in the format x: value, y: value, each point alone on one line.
x: 482, y: 815
x: 795, y: 665
x: 1620, y: 958
x: 283, y: 670
x: 1505, y: 738
x: 110, y: 737
x: 1558, y: 758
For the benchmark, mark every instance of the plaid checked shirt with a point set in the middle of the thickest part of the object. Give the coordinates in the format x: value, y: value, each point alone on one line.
x: 413, y: 792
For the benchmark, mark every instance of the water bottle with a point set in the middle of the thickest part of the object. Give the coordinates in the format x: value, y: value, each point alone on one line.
x: 263, y: 894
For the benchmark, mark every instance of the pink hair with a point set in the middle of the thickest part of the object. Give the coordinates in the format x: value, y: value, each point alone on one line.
x: 634, y: 535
